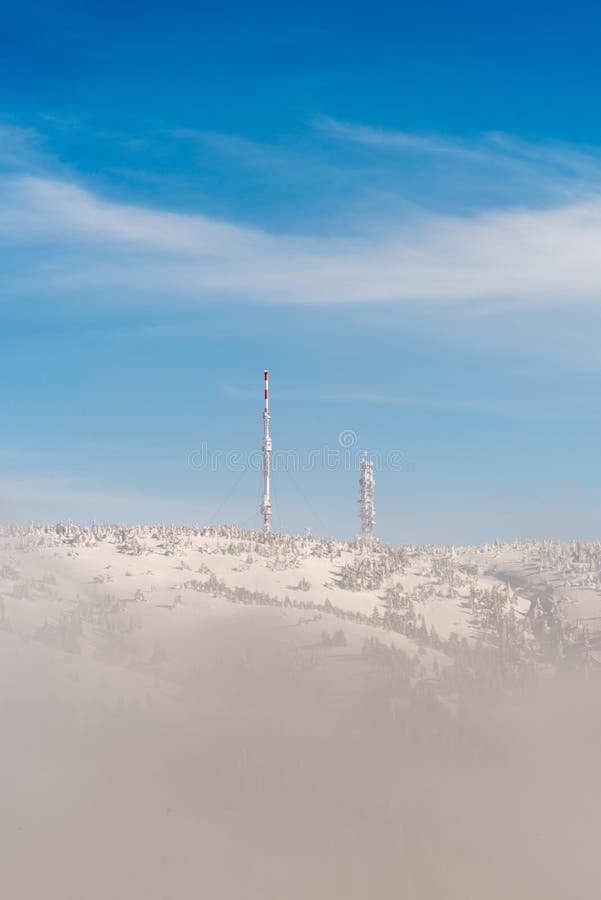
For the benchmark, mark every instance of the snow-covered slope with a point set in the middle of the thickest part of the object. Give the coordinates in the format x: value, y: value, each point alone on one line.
x: 212, y: 712
x: 125, y: 595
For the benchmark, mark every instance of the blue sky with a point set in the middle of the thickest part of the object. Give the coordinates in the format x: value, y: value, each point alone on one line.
x: 397, y: 209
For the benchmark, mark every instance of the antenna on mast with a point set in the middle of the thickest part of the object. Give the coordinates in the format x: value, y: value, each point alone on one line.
x: 367, y: 505
x: 266, y: 505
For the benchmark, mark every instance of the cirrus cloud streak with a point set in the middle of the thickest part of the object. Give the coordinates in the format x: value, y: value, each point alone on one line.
x: 85, y: 243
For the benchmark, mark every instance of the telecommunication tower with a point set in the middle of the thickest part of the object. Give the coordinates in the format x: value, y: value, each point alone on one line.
x: 366, y: 498
x: 266, y: 504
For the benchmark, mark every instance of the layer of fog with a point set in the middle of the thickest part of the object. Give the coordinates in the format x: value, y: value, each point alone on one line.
x: 252, y: 775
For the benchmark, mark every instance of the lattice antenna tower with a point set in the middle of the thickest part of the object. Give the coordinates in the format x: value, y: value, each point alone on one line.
x: 367, y: 508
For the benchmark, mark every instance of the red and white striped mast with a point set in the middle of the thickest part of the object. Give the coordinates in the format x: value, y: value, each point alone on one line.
x: 266, y: 505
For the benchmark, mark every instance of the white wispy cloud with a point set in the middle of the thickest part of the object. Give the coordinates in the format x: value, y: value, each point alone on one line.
x: 79, y: 243
x: 21, y: 149
x: 401, y: 140
x: 86, y: 243
x: 492, y: 147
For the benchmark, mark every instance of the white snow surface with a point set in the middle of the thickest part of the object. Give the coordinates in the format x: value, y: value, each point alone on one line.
x: 211, y: 712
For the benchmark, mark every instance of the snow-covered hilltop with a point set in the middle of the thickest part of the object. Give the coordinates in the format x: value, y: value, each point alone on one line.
x: 213, y: 712
x: 497, y: 613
